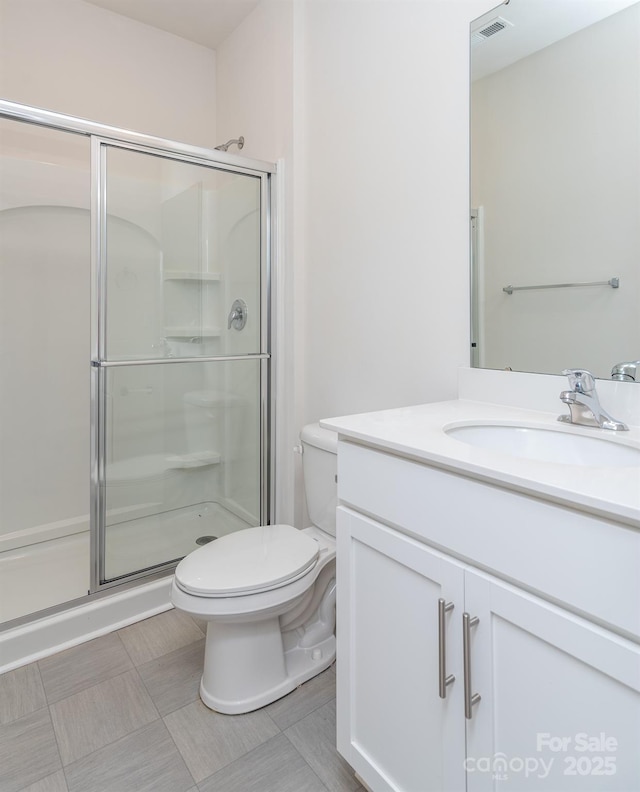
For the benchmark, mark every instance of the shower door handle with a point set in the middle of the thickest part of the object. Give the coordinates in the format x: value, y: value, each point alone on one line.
x: 237, y: 315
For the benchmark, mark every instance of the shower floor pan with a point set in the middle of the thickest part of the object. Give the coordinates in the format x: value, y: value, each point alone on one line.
x: 155, y: 539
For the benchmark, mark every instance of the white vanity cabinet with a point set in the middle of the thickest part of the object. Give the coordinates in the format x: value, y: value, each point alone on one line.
x: 554, y: 654
x: 393, y: 728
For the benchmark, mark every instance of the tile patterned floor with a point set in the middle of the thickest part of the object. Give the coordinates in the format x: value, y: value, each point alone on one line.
x: 122, y: 714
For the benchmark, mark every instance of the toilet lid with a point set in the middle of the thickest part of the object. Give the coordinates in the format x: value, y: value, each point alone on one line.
x: 247, y: 562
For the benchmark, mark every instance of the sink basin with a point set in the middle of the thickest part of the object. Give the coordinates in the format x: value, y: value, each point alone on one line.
x: 548, y: 445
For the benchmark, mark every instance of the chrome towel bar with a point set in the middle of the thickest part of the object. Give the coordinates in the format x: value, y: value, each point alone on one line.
x: 613, y: 282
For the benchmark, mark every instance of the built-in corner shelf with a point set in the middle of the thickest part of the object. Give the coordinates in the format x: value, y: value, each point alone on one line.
x: 192, y: 332
x: 195, y: 459
x: 190, y: 275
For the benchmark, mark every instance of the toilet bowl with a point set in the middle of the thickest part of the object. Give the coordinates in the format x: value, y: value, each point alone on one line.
x: 268, y: 596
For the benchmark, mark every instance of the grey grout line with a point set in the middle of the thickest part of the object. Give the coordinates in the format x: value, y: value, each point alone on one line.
x: 144, y: 685
x: 48, y: 708
x: 124, y: 646
x: 304, y: 759
x: 112, y: 742
x: 272, y: 721
x: 66, y: 779
x: 55, y: 737
x: 175, y: 745
x: 46, y: 697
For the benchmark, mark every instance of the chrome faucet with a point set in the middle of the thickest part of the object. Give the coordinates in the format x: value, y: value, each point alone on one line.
x: 584, y: 404
x: 628, y: 371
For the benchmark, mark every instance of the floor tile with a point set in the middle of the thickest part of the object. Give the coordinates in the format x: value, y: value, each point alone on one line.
x: 173, y: 680
x: 201, y: 623
x: 208, y: 741
x: 159, y: 635
x: 315, y: 739
x: 28, y: 751
x: 95, y: 717
x: 52, y: 783
x: 145, y: 761
x: 84, y: 666
x: 275, y: 766
x: 21, y: 693
x: 103, y: 723
x: 305, y: 699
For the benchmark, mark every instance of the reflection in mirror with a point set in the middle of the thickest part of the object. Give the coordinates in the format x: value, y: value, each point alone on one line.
x: 555, y: 186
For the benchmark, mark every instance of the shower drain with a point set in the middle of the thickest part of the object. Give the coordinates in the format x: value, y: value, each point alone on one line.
x: 203, y: 540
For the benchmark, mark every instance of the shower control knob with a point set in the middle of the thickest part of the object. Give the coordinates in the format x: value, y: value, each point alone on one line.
x: 237, y: 315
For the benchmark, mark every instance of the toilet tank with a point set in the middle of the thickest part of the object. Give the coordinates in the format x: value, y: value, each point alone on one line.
x: 320, y: 468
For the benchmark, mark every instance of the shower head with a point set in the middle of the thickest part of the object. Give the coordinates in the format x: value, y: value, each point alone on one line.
x: 225, y: 146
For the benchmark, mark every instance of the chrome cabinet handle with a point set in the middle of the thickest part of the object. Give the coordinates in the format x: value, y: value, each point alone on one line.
x: 469, y: 698
x: 443, y: 679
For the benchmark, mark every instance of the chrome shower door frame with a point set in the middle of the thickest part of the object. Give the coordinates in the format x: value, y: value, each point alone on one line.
x: 100, y: 363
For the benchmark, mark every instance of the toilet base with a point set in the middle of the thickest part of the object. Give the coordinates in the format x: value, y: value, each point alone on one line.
x: 300, y: 665
x: 262, y: 646
x: 248, y: 665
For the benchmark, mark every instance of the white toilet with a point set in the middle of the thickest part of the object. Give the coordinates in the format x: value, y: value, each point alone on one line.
x: 268, y: 596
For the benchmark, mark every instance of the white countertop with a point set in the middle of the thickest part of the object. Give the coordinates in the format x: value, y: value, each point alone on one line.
x: 418, y: 433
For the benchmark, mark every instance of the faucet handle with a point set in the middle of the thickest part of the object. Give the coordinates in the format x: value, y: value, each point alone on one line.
x: 580, y: 380
x: 628, y: 371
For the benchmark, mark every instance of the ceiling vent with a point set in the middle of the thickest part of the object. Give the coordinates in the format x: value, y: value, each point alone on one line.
x: 488, y: 29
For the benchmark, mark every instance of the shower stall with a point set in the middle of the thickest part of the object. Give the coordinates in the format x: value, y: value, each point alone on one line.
x: 135, y: 358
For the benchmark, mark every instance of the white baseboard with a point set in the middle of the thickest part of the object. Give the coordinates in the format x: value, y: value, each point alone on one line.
x: 35, y: 640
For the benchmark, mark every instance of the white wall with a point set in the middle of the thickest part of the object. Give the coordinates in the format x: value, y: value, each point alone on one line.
x: 254, y: 82
x: 556, y: 165
x: 386, y: 312
x: 72, y: 57
x: 377, y: 271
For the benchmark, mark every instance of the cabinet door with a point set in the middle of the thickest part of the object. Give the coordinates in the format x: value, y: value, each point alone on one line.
x: 560, y: 697
x: 393, y: 727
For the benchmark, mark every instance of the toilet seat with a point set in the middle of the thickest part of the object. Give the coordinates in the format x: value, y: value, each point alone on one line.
x: 249, y: 561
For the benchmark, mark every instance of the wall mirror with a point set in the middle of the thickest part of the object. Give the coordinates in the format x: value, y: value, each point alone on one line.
x: 555, y: 186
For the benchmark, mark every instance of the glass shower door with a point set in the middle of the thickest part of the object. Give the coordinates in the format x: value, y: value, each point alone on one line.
x: 181, y: 358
